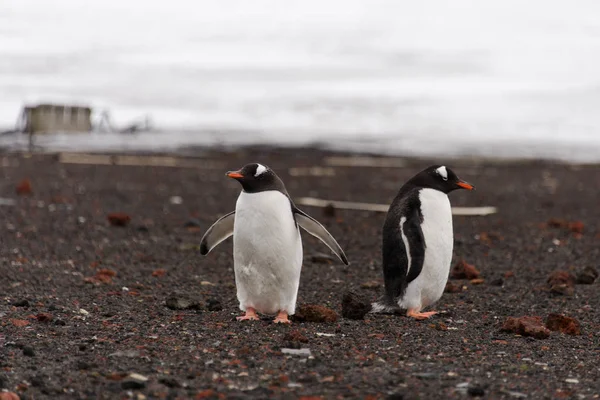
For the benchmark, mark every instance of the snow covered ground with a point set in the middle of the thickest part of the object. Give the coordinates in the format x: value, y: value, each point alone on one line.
x: 486, y: 77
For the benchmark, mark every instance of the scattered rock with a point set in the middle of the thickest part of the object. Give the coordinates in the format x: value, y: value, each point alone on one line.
x: 370, y: 285
x: 20, y: 303
x: 576, y: 226
x: 426, y: 375
x: 526, y: 326
x: 509, y: 274
x: 452, y: 288
x: 355, y: 306
x: 28, y: 351
x: 295, y: 336
x: 19, y: 322
x: 475, y: 391
x: 44, y: 317
x: 102, y: 276
x: 176, y: 200
x: 297, y: 352
x: 587, y: 276
x: 562, y: 282
x: 320, y: 258
x: 395, y: 396
x: 329, y: 210
x: 37, y: 381
x: 564, y: 324
x: 214, y: 305
x: 314, y: 313
x: 169, y: 381
x: 24, y: 188
x: 159, y: 272
x: 497, y: 282
x: 134, y: 382
x: 175, y: 302
x: 118, y: 219
x: 557, y: 223
x: 477, y: 281
x: 192, y: 223
x: 462, y: 270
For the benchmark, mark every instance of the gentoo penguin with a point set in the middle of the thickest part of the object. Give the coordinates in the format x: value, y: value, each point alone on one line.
x: 267, y: 247
x: 417, y: 242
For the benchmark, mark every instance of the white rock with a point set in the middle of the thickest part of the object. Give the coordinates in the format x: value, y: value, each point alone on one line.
x: 297, y: 352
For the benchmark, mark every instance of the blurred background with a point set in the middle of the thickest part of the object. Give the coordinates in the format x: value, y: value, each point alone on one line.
x: 475, y: 78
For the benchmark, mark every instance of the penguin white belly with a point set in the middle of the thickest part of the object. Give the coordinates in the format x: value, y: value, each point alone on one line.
x: 267, y: 252
x: 429, y: 286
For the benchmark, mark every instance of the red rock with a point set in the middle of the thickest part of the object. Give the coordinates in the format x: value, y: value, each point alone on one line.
x: 296, y: 336
x: 118, y: 219
x: 576, y: 226
x: 462, y: 270
x: 509, y: 274
x: 526, y: 326
x: 44, y: 317
x: 9, y: 396
x: 561, y: 282
x: 159, y: 272
x: 19, y: 322
x: 477, y: 281
x: 102, y: 276
x: 557, y: 223
x: 24, y: 188
x: 564, y: 324
x: 315, y: 313
x: 452, y: 288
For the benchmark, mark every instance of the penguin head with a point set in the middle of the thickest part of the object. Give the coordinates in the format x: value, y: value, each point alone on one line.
x: 257, y: 178
x: 441, y: 178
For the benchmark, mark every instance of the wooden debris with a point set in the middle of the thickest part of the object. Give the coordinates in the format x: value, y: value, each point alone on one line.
x: 350, y: 205
x: 138, y: 161
x: 362, y: 161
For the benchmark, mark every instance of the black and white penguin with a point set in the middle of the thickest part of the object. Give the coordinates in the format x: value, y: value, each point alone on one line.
x: 267, y: 247
x: 418, y: 241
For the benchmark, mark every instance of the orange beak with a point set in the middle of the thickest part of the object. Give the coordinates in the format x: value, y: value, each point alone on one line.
x: 235, y: 174
x: 465, y: 185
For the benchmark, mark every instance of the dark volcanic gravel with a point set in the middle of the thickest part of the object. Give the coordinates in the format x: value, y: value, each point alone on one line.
x: 84, y: 305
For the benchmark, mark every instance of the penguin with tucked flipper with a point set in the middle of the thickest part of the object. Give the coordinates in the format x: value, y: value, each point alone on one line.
x: 418, y: 241
x: 267, y: 247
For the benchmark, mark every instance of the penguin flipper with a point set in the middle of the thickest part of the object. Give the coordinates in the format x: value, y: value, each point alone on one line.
x: 312, y: 226
x: 411, y: 231
x: 218, y: 232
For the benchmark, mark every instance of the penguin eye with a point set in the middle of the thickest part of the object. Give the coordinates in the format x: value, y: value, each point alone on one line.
x: 445, y: 178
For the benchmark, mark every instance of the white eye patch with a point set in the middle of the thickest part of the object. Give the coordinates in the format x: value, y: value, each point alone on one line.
x: 260, y: 169
x: 442, y: 172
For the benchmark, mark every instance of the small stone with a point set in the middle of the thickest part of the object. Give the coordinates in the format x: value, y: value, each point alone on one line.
x: 37, y: 381
x: 572, y: 380
x: 462, y: 270
x: 561, y: 282
x: 214, y: 305
x: 452, y: 288
x: 44, y: 317
x: 175, y: 302
x: 24, y: 188
x: 497, y: 282
x: 576, y: 226
x: 295, y: 336
x: 169, y: 381
x: 297, y: 352
x: 476, y: 391
x: 370, y: 285
x: 118, y: 219
x: 21, y: 303
x: 395, y: 396
x: 564, y: 324
x: 83, y: 312
x: 478, y: 281
x: 28, y: 351
x: 315, y: 313
x: 526, y: 326
x: 355, y: 306
x: 134, y: 382
x: 320, y: 258
x: 329, y: 210
x: 587, y: 276
x: 192, y: 223
x: 426, y: 375
x: 176, y: 200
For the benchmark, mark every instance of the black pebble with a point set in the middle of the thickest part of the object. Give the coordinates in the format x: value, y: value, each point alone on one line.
x: 354, y: 306
x: 37, y: 381
x: 497, y: 282
x: 28, y: 351
x: 476, y: 391
x: 169, y: 381
x: 214, y: 305
x: 130, y: 384
x: 192, y: 223
x: 21, y: 303
x: 395, y: 396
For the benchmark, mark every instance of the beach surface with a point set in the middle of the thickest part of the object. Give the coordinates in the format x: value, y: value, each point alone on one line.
x: 90, y: 310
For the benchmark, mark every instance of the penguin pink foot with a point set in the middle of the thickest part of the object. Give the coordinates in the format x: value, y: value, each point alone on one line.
x: 282, y: 318
x: 420, y: 315
x: 250, y: 315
